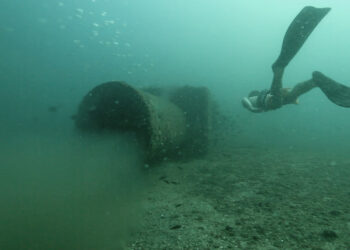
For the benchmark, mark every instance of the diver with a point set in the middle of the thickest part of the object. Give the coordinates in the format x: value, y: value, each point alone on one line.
x: 277, y: 96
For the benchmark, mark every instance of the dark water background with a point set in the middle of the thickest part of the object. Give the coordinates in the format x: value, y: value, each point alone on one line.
x: 53, y: 52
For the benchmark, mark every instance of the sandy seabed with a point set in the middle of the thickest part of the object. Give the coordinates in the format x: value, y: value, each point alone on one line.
x: 248, y: 198
x: 64, y: 193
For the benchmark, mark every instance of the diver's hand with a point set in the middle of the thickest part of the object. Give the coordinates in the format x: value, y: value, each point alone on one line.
x: 250, y: 104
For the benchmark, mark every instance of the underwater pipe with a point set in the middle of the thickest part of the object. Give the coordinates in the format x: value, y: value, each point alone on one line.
x: 168, y: 123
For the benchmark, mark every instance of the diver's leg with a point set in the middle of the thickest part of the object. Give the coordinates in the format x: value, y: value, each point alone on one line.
x: 336, y: 92
x: 297, y: 33
x: 275, y: 101
x: 291, y: 96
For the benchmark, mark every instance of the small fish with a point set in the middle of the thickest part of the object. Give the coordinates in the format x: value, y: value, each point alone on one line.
x: 175, y: 227
x: 53, y: 109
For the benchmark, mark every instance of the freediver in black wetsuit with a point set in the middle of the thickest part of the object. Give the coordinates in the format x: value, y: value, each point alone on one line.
x: 277, y: 96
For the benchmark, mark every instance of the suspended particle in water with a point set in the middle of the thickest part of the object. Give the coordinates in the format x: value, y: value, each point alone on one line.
x: 104, y: 13
x: 81, y: 11
x: 96, y: 25
x: 60, y: 4
x: 42, y: 20
x: 8, y: 29
x: 333, y: 163
x: 108, y: 22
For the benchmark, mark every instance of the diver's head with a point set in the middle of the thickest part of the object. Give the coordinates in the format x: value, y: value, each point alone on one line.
x: 251, y: 102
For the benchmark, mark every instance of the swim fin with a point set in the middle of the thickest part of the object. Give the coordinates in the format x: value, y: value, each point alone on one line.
x: 336, y: 92
x: 297, y: 33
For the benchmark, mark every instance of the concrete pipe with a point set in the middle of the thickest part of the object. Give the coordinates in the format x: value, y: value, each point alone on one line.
x: 158, y: 123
